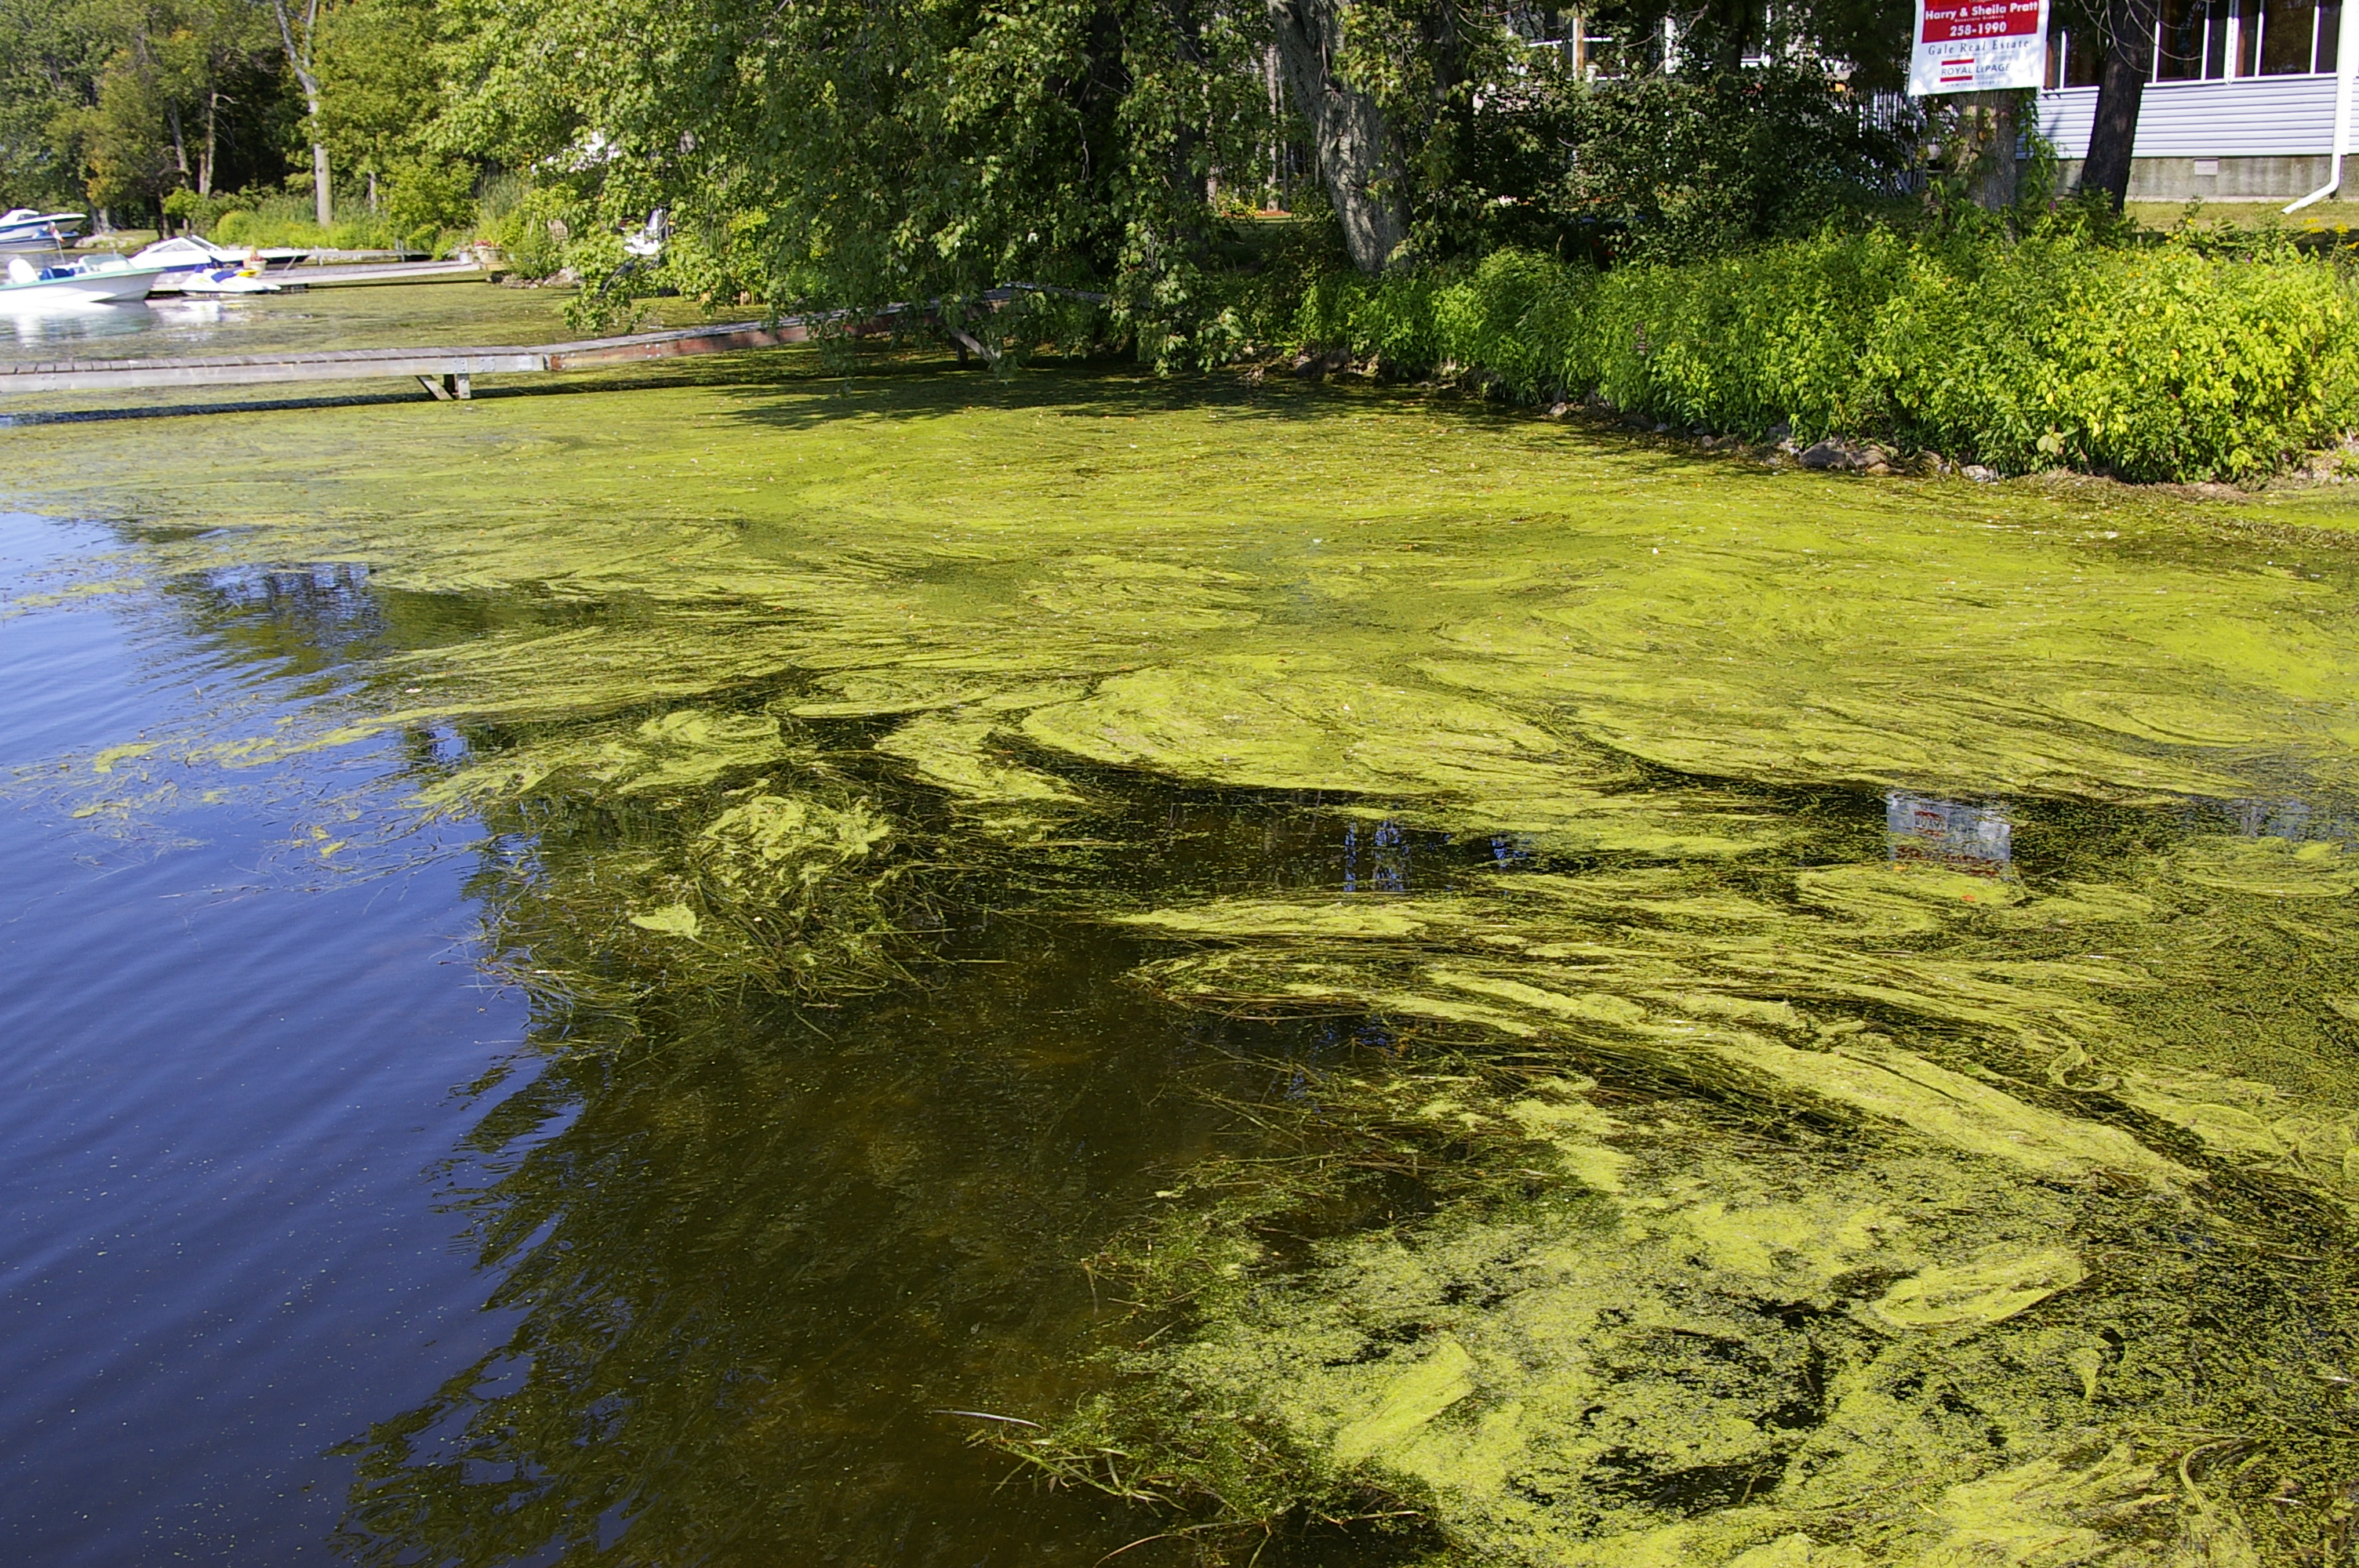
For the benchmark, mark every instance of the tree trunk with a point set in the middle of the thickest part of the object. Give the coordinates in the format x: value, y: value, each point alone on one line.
x: 1276, y: 95
x: 1998, y: 125
x: 180, y: 142
x: 2121, y: 86
x: 298, y: 60
x: 1357, y: 160
x: 1188, y: 143
x: 213, y: 144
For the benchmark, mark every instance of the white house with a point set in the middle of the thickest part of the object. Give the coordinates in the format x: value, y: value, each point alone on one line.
x: 2240, y: 104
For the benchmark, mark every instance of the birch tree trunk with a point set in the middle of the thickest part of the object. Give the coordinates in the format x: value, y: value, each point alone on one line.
x: 298, y: 60
x: 1357, y: 159
x: 180, y: 141
x: 213, y: 144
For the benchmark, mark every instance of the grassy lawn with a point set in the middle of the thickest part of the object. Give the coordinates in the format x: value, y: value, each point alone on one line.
x: 2335, y: 214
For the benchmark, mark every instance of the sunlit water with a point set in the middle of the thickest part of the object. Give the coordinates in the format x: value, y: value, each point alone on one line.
x: 226, y: 1095
x: 308, y: 320
x: 630, y: 965
x: 247, y: 1117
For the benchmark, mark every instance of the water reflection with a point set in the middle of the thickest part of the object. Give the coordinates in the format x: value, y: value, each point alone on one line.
x: 1921, y: 829
x: 65, y: 325
x: 2299, y: 821
x: 761, y: 1248
x: 303, y: 618
x: 1382, y: 865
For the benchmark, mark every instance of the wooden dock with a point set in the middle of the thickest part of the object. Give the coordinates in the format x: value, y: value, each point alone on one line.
x: 449, y: 374
x: 318, y: 274
x: 311, y: 274
x: 446, y: 373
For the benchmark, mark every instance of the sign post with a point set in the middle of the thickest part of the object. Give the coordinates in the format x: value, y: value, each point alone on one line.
x: 1978, y: 46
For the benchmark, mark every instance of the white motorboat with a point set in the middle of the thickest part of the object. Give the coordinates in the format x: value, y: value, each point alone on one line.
x: 100, y: 280
x: 231, y: 279
x: 23, y: 226
x: 186, y: 255
x: 647, y: 244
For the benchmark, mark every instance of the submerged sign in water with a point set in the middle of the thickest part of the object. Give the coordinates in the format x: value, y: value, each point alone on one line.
x: 1976, y: 46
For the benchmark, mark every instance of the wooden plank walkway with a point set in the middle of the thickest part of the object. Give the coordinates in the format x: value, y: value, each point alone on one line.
x: 312, y: 275
x: 449, y: 374
x: 446, y: 373
x: 458, y: 269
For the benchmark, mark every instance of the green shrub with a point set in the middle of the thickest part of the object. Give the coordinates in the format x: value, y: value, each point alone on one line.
x: 286, y: 217
x: 531, y: 224
x: 2156, y: 363
x: 426, y: 198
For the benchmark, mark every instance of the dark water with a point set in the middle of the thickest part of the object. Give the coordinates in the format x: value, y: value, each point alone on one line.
x: 225, y: 1101
x: 321, y: 1245
x: 409, y: 1193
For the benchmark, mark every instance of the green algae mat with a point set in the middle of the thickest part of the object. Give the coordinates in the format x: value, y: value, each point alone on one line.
x: 1832, y: 1005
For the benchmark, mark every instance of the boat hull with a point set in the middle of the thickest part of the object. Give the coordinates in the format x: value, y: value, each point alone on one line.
x: 46, y: 230
x: 221, y: 281
x: 120, y: 287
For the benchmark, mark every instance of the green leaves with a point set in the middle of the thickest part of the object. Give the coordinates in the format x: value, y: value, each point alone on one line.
x: 2156, y: 364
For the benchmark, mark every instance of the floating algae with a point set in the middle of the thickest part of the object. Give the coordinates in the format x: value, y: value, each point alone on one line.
x: 1283, y: 721
x: 1742, y: 626
x: 1989, y: 1291
x: 1561, y: 1382
x: 1689, y: 1356
x: 1657, y: 1003
x: 1650, y: 1322
x: 1989, y: 672
x: 646, y: 867
x: 672, y: 920
x: 683, y: 750
x: 967, y: 758
x: 1711, y: 1185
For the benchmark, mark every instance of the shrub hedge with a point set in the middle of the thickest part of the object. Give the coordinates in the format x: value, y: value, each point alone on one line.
x: 2148, y: 362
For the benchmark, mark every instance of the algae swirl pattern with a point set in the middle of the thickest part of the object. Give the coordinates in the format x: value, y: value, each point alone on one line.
x: 1718, y: 1177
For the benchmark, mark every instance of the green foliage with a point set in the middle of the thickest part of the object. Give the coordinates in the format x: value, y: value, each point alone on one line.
x: 47, y: 59
x: 284, y: 218
x: 847, y: 155
x: 528, y: 225
x: 117, y: 102
x: 2160, y: 362
x: 122, y: 103
x: 378, y: 85
x: 425, y: 196
x: 1694, y: 165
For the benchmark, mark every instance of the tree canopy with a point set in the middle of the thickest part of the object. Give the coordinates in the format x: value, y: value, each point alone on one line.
x: 852, y: 151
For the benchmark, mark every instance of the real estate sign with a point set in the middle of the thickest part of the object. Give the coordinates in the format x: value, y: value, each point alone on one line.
x: 1975, y: 46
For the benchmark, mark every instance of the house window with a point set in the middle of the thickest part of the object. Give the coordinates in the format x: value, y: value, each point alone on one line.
x: 2191, y: 40
x: 2073, y: 58
x: 2293, y: 36
x: 2211, y: 40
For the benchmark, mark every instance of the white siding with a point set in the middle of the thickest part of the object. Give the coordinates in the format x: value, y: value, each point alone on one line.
x: 2257, y: 116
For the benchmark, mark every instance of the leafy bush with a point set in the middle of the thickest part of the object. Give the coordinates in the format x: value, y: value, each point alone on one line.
x: 285, y: 218
x: 427, y: 196
x: 1685, y: 166
x: 2156, y: 363
x: 529, y: 224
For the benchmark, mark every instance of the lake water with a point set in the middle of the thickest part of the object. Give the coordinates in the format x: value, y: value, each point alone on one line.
x: 757, y: 959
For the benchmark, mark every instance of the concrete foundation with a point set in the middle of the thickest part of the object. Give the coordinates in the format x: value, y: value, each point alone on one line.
x: 2214, y: 178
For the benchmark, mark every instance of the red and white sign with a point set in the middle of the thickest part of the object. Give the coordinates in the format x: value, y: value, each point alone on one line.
x: 1976, y: 46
